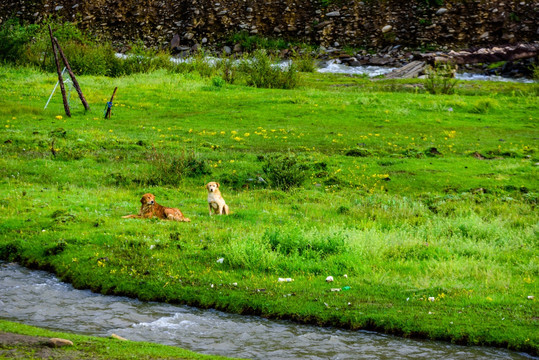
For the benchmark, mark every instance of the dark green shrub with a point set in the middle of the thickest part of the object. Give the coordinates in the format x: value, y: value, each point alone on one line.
x: 284, y: 171
x: 251, y: 43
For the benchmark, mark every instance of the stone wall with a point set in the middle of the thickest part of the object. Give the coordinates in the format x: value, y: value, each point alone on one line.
x: 370, y: 23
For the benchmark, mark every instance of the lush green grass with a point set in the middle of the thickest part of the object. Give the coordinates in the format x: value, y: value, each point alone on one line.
x: 411, y: 195
x: 87, y: 347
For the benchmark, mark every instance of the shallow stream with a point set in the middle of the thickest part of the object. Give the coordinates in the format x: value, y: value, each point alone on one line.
x: 38, y: 298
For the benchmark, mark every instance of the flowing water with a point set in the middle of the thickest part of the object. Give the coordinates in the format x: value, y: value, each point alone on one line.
x: 371, y: 71
x: 38, y: 298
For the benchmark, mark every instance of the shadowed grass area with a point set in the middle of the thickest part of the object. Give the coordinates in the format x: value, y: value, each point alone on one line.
x: 427, y: 203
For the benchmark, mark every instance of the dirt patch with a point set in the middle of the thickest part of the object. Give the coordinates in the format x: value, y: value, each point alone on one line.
x: 16, y: 346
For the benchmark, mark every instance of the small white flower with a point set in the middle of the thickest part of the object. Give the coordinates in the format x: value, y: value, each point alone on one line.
x: 329, y: 279
x: 432, y: 298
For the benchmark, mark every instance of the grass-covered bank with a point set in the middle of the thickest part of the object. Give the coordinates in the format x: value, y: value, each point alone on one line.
x: 20, y: 341
x: 427, y: 203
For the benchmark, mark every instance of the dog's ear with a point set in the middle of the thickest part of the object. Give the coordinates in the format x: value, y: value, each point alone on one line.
x: 218, y: 184
x: 207, y: 186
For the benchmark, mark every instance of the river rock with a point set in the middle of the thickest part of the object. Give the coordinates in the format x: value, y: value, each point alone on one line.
x: 441, y: 11
x: 333, y: 14
x: 175, y: 42
x: 387, y: 28
x: 227, y: 50
x: 57, y: 342
x: 118, y: 337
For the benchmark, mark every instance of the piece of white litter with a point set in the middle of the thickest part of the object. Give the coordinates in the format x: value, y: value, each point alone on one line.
x: 345, y: 276
x: 285, y: 280
x: 531, y: 297
x: 220, y: 261
x: 329, y: 279
x: 407, y: 298
x: 235, y: 284
x: 335, y: 289
x: 211, y: 285
x: 431, y: 298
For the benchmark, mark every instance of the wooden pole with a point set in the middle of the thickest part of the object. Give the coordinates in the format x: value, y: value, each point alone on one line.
x: 75, y: 82
x: 108, y: 111
x: 60, y: 77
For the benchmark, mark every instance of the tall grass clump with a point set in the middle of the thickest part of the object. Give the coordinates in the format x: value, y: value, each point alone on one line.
x: 441, y: 79
x: 140, y: 59
x: 304, y: 62
x: 168, y: 169
x: 263, y: 72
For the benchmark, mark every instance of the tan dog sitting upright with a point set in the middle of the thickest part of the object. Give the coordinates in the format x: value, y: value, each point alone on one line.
x: 150, y: 209
x: 215, y: 200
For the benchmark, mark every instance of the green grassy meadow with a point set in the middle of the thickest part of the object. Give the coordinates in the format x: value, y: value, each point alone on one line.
x: 427, y: 203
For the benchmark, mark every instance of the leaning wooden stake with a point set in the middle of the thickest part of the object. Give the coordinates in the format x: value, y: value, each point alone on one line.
x: 73, y: 78
x: 108, y: 110
x: 60, y: 77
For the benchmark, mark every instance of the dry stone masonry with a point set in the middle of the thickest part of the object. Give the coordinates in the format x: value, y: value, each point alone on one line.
x: 369, y: 23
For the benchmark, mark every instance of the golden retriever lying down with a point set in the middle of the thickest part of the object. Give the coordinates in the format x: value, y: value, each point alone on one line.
x: 150, y: 209
x: 215, y: 200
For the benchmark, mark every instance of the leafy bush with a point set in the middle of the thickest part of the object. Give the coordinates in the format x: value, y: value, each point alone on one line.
x: 263, y: 72
x: 284, y: 171
x: 13, y: 40
x: 440, y: 79
x: 218, y: 81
